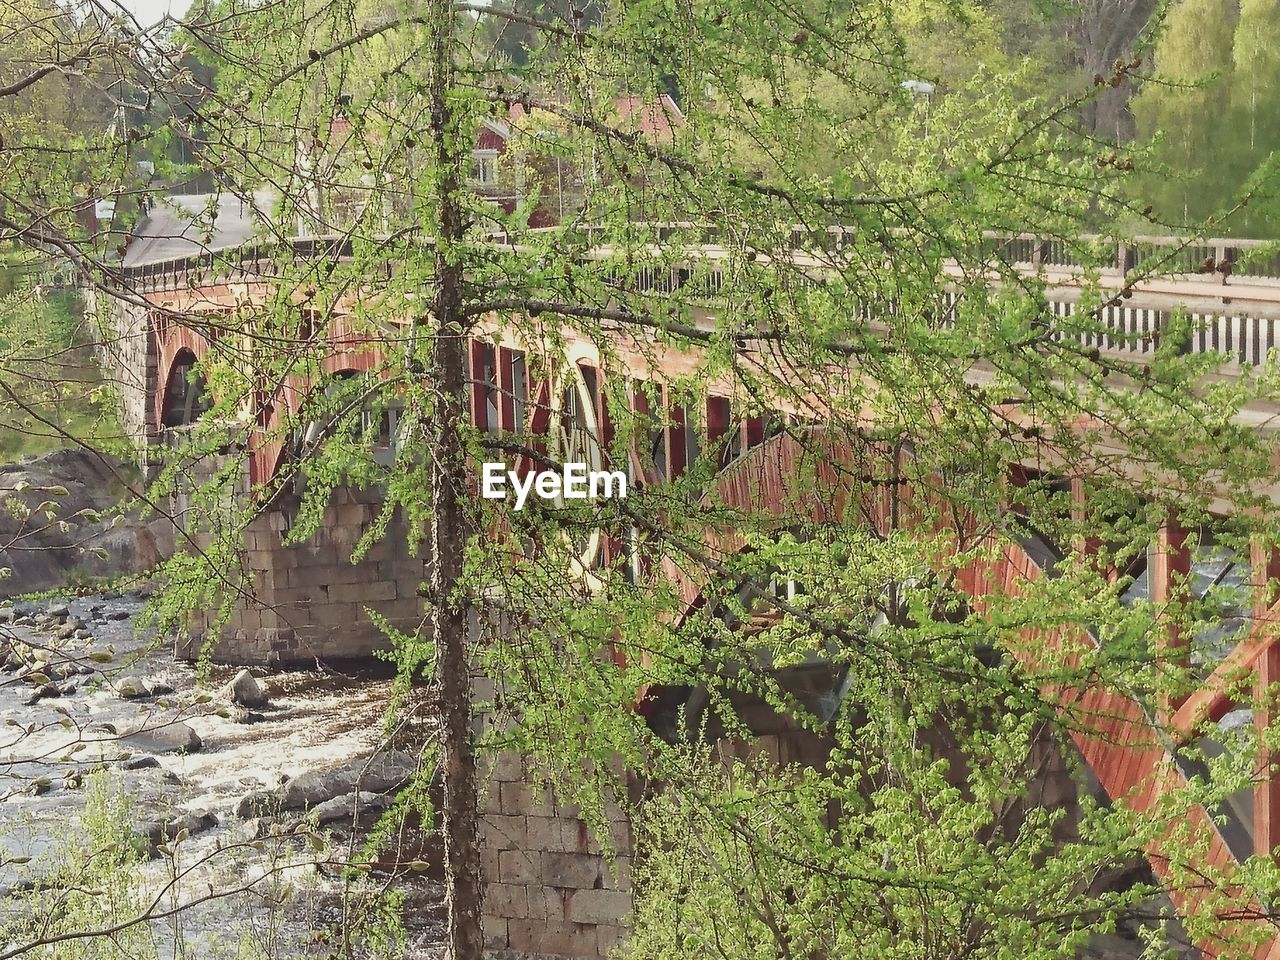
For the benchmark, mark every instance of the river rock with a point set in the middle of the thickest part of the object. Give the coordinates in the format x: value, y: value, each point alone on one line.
x: 131, y: 688
x: 193, y: 823
x: 257, y: 804
x: 362, y: 803
x: 245, y: 690
x: 168, y: 738
x: 140, y: 763
x: 378, y: 774
x: 59, y: 611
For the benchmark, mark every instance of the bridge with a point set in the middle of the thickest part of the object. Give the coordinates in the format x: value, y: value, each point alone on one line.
x: 307, y: 600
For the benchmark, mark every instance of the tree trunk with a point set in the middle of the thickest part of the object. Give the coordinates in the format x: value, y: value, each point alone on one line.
x: 1108, y: 30
x: 449, y: 606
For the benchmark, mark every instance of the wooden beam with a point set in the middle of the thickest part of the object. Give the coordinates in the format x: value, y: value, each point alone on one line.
x: 1168, y: 567
x: 1266, y: 790
x: 1264, y: 569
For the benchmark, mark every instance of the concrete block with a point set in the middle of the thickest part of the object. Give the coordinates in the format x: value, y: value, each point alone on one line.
x: 489, y: 801
x: 506, y: 900
x: 489, y: 864
x: 548, y: 903
x: 504, y: 833
x: 508, y: 766
x: 599, y: 906
x: 547, y: 833
x: 620, y: 834
x: 609, y: 938
x: 566, y: 809
x: 518, y: 866
x: 494, y: 930
x: 362, y: 593
x: 617, y: 874
x: 483, y: 689
x: 548, y: 936
x: 575, y: 835
x: 578, y: 870
x: 353, y: 514
x: 523, y: 798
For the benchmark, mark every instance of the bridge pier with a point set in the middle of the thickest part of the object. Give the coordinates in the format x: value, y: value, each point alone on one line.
x: 308, y: 601
x: 549, y: 888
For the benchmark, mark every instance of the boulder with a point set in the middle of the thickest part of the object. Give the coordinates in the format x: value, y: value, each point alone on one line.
x: 131, y: 688
x: 166, y: 738
x: 245, y: 690
x: 257, y: 804
x: 361, y: 804
x: 241, y: 715
x: 84, y: 482
x: 193, y: 823
x: 377, y: 774
x: 58, y: 611
x: 140, y: 763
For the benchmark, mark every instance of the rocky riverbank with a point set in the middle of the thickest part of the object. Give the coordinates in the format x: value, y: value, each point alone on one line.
x: 292, y: 762
x: 61, y: 522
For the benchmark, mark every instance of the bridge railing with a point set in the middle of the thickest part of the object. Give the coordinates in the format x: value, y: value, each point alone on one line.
x: 1162, y: 255
x: 1248, y: 259
x: 1244, y: 333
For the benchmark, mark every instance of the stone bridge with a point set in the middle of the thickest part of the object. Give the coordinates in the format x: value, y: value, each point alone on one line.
x: 549, y: 891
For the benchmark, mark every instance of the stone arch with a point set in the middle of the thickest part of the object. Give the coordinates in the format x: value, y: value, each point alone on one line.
x: 176, y: 345
x: 186, y: 396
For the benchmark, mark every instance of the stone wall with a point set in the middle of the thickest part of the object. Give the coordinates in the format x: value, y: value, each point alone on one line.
x: 550, y: 889
x: 128, y: 356
x: 309, y: 601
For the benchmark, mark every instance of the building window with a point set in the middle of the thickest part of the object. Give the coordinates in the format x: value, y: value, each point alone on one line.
x: 484, y: 167
x: 519, y: 391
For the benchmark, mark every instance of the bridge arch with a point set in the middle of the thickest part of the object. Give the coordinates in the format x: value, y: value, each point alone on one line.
x: 178, y: 349
x: 1123, y: 749
x: 272, y: 443
x: 185, y: 397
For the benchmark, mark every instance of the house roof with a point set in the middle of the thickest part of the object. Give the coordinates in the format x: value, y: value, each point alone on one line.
x: 654, y: 117
x: 178, y: 226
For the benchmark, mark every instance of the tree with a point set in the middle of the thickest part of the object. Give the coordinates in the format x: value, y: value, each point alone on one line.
x: 1111, y: 31
x: 1209, y: 117
x: 919, y: 830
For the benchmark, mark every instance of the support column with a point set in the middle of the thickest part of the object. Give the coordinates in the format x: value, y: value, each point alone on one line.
x: 1169, y: 566
x: 1266, y: 789
x: 1087, y: 545
x: 1264, y: 565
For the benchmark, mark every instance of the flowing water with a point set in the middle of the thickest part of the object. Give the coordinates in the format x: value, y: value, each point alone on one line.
x: 314, y: 720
